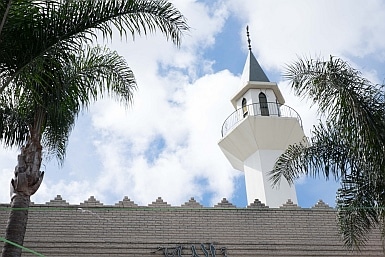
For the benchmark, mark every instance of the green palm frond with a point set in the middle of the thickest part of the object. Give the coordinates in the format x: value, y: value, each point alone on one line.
x: 98, y: 71
x: 15, y: 117
x: 349, y: 146
x: 324, y: 153
x: 92, y: 74
x: 35, y: 29
x: 358, y: 210
x: 57, y: 92
x: 13, y: 127
x: 290, y: 165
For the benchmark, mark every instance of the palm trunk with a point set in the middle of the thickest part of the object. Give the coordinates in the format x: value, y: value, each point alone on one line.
x: 17, y: 225
x: 25, y: 183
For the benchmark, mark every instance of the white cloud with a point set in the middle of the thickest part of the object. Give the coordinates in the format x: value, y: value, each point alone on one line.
x: 190, y: 132
x: 174, y: 104
x: 281, y: 30
x: 181, y: 102
x: 8, y: 160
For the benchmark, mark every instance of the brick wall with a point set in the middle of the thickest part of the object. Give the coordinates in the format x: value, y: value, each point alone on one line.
x: 125, y: 229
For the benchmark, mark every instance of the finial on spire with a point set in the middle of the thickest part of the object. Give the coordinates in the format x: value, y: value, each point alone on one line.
x: 248, y: 37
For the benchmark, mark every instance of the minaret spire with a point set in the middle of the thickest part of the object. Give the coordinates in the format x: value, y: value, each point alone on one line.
x: 248, y: 37
x: 252, y: 71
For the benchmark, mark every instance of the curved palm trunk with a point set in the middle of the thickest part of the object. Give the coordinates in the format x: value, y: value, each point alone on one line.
x: 25, y: 183
x: 17, y: 224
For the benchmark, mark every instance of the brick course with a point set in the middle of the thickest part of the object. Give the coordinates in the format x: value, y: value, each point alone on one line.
x: 126, y: 229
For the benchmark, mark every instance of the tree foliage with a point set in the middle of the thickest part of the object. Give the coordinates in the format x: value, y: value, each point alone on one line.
x: 52, y: 105
x: 37, y: 28
x: 44, y: 58
x: 49, y: 73
x: 348, y: 146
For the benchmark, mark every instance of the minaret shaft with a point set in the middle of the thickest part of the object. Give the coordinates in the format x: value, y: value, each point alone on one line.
x: 258, y: 185
x: 253, y: 146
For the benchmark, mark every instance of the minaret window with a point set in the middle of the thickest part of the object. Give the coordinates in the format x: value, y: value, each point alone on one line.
x: 244, y: 107
x: 263, y: 104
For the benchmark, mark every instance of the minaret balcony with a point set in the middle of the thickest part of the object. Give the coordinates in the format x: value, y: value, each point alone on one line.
x: 267, y: 109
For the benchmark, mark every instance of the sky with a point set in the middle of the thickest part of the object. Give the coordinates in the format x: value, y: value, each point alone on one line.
x: 166, y: 143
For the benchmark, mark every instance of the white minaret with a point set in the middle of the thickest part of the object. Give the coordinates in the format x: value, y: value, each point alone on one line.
x: 258, y: 132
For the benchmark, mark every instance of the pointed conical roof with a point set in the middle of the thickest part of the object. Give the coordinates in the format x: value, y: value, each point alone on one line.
x: 254, y: 77
x: 252, y: 70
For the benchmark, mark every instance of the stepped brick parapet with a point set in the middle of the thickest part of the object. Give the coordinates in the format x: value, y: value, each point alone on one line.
x: 92, y: 228
x: 159, y: 203
x: 192, y: 203
x: 257, y: 204
x: 224, y: 204
x: 126, y: 202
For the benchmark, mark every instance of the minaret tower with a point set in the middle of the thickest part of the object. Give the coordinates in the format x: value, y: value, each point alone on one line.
x: 258, y: 132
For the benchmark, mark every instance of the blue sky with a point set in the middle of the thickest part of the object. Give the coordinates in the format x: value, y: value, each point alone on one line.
x: 165, y: 144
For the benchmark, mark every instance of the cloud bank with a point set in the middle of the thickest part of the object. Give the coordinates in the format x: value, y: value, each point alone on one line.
x: 165, y: 144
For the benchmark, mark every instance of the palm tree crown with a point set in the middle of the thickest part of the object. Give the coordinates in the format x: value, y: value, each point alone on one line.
x: 348, y: 146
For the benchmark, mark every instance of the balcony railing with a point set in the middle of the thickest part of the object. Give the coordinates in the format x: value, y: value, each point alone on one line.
x: 259, y: 109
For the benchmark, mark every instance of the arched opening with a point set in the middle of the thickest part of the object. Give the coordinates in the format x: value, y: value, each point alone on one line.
x: 244, y: 107
x: 263, y: 104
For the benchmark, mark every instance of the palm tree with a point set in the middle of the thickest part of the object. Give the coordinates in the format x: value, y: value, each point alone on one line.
x: 48, y: 75
x: 348, y: 146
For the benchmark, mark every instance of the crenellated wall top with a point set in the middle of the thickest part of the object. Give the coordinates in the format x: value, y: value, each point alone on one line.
x: 160, y: 203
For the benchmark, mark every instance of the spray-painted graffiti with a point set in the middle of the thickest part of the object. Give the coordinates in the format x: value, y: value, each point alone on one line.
x: 204, y: 250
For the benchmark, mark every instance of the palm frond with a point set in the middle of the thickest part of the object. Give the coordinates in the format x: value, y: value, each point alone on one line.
x: 97, y: 71
x: 290, y: 165
x: 349, y: 146
x: 35, y: 29
x: 57, y: 90
x: 323, y: 154
x: 92, y: 74
x: 14, y: 130
x: 358, y: 210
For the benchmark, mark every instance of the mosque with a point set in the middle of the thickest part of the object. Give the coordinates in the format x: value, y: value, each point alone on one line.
x: 253, y: 136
